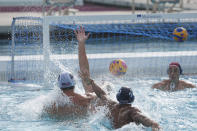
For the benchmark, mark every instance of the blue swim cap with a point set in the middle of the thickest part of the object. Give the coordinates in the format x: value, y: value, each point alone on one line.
x: 66, y: 80
x: 125, y: 96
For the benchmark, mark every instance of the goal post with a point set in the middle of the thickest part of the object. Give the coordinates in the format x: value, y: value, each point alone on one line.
x: 26, y: 39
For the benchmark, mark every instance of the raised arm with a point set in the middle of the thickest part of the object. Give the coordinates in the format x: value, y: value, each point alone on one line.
x: 139, y: 118
x: 83, y: 61
x: 97, y: 89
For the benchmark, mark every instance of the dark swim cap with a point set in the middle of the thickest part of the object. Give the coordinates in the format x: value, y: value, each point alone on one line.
x: 125, y: 96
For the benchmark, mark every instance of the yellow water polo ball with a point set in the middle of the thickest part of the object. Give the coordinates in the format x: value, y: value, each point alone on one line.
x: 180, y: 34
x: 118, y: 67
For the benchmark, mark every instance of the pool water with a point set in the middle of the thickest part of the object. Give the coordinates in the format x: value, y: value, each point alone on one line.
x: 21, y: 107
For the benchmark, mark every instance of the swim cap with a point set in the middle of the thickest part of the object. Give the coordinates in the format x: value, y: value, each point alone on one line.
x: 178, y: 65
x: 125, y: 96
x: 66, y: 80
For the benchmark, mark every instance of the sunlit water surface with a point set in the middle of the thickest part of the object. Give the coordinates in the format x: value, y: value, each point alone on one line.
x: 21, y: 107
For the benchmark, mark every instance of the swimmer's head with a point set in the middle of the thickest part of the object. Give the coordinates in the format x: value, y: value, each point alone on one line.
x: 66, y: 81
x: 175, y: 64
x: 125, y: 96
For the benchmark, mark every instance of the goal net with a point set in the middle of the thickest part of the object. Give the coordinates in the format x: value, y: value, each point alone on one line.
x: 145, y: 42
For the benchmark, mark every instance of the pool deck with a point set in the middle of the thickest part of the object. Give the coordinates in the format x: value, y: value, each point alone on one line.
x: 7, y: 14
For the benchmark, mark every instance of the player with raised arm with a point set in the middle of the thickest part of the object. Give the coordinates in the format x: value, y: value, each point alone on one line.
x: 81, y: 104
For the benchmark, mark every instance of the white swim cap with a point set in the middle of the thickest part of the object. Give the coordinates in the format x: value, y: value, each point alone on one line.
x: 66, y: 80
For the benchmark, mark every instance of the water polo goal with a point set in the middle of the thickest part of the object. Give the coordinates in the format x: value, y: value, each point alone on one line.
x: 44, y: 46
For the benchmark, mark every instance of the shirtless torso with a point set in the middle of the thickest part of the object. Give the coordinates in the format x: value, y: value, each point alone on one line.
x: 79, y: 105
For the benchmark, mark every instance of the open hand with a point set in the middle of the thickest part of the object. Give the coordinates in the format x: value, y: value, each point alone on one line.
x: 80, y: 34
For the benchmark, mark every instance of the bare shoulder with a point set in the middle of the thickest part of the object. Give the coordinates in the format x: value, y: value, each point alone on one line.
x: 160, y: 84
x: 131, y: 110
x: 187, y: 84
x: 135, y: 110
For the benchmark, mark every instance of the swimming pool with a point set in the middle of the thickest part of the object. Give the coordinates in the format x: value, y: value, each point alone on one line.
x: 21, y: 107
x: 22, y: 104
